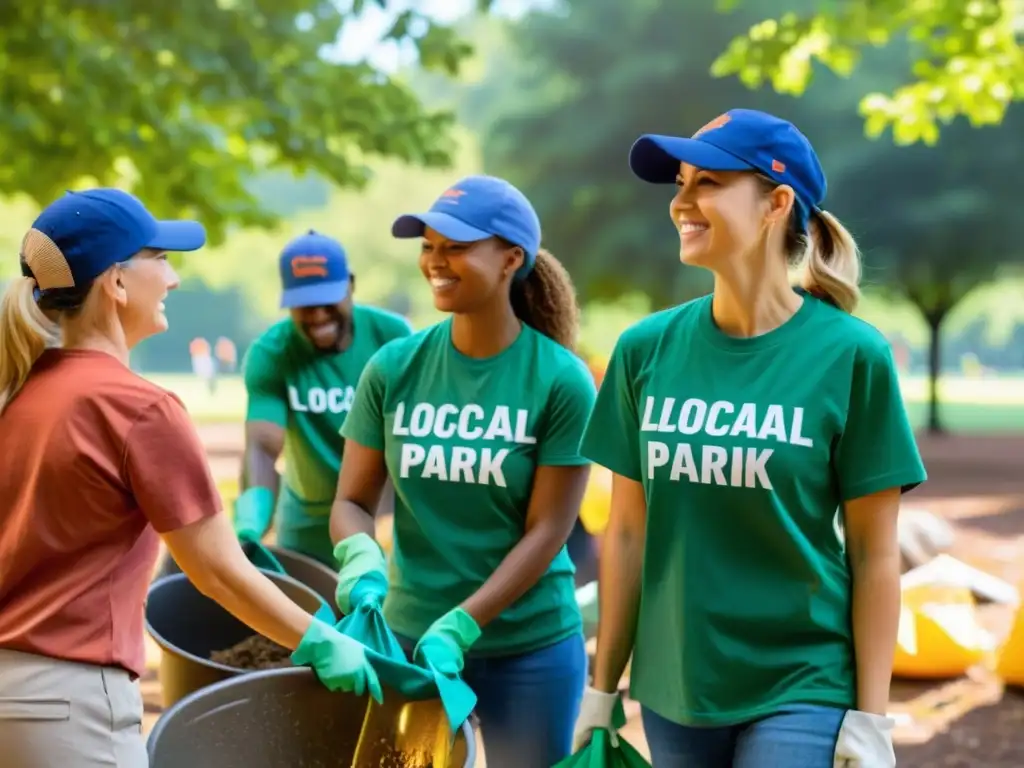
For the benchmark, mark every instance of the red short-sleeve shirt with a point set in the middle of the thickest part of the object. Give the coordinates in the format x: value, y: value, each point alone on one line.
x: 95, y: 461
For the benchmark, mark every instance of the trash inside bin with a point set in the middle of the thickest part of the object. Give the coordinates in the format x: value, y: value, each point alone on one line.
x: 303, y: 568
x: 189, y: 627
x: 279, y: 718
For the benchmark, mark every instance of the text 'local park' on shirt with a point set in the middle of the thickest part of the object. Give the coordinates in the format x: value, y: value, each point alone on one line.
x: 746, y: 449
x: 463, y: 438
x: 308, y: 393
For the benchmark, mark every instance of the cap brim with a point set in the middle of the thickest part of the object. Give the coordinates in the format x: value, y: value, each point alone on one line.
x: 447, y: 225
x: 178, y: 236
x: 656, y: 159
x: 317, y: 295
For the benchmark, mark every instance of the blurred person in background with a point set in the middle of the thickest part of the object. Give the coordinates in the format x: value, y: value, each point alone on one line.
x: 738, y: 426
x: 477, y: 421
x: 96, y: 465
x: 203, y: 365
x: 300, y: 378
x: 226, y: 354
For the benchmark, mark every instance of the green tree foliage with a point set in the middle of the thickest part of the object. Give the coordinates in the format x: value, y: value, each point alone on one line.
x: 565, y: 105
x: 967, y: 58
x: 187, y: 102
x: 935, y: 222
x: 939, y: 222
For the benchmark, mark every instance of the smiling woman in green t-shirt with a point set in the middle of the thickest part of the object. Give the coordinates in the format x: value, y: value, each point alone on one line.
x: 477, y: 421
x: 738, y: 426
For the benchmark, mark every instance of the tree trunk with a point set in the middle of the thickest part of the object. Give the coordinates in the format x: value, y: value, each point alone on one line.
x: 934, y: 320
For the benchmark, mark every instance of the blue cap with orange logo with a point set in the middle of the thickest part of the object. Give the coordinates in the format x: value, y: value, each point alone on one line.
x: 314, y: 272
x: 80, y: 235
x: 476, y: 208
x: 739, y: 140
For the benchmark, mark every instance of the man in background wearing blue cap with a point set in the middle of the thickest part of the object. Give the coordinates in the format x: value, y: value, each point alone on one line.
x: 300, y: 377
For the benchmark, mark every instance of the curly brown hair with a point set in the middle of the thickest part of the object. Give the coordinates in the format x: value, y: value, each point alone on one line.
x: 546, y: 301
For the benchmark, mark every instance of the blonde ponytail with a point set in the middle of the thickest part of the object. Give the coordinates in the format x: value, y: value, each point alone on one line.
x: 24, y: 333
x: 831, y: 264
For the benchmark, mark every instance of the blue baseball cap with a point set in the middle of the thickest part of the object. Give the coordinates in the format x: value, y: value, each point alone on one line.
x: 476, y: 208
x: 314, y: 271
x: 82, y: 234
x: 739, y: 140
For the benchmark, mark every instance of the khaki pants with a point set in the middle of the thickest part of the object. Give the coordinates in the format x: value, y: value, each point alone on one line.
x: 59, y: 714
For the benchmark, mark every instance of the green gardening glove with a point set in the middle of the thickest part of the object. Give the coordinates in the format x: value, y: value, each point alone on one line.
x: 254, y: 510
x: 359, y: 556
x: 369, y: 590
x: 445, y: 643
x: 339, y: 662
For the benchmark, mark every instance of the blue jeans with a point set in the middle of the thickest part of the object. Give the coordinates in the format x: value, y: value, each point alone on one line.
x: 527, y: 705
x: 800, y: 736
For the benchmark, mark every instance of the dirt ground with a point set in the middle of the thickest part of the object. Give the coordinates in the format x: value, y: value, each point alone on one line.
x: 975, y: 482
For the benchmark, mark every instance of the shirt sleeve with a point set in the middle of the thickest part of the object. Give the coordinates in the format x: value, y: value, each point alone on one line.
x: 267, y: 395
x: 612, y: 435
x: 166, y: 468
x: 568, y: 408
x: 877, y: 449
x: 364, y: 423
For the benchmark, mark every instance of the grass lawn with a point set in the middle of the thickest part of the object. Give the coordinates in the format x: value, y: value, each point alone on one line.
x: 970, y: 405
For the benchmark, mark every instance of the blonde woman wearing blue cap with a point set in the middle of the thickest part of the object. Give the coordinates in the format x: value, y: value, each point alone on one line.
x: 739, y: 426
x: 96, y: 466
x: 477, y: 422
x: 300, y: 378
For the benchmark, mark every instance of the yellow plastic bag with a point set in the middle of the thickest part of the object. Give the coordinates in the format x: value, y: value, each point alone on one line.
x: 1010, y: 660
x: 597, y: 500
x: 939, y: 634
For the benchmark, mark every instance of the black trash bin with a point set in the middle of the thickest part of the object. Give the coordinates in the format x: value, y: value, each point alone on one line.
x: 312, y: 573
x: 280, y: 718
x: 188, y: 627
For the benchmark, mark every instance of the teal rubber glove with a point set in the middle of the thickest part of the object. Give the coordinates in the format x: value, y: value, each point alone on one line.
x: 339, y: 662
x: 358, y: 556
x: 369, y: 591
x: 325, y: 613
x: 254, y: 510
x: 444, y: 645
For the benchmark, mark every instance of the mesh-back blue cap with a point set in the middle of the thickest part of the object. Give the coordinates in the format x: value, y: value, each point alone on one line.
x: 82, y: 234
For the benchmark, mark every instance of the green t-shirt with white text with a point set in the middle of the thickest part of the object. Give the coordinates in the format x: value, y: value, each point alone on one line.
x: 309, y: 393
x: 747, y: 448
x: 462, y: 439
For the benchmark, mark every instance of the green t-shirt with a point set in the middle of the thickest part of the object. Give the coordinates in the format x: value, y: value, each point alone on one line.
x: 462, y: 438
x: 309, y: 393
x: 746, y: 448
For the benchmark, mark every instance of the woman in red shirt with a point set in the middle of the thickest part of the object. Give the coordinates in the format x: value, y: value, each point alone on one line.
x: 96, y: 466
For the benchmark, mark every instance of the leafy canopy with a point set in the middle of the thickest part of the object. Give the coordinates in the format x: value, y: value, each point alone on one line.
x: 968, y: 58
x: 186, y: 102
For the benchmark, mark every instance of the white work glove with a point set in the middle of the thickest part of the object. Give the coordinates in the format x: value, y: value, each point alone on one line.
x: 595, y: 712
x: 865, y: 741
